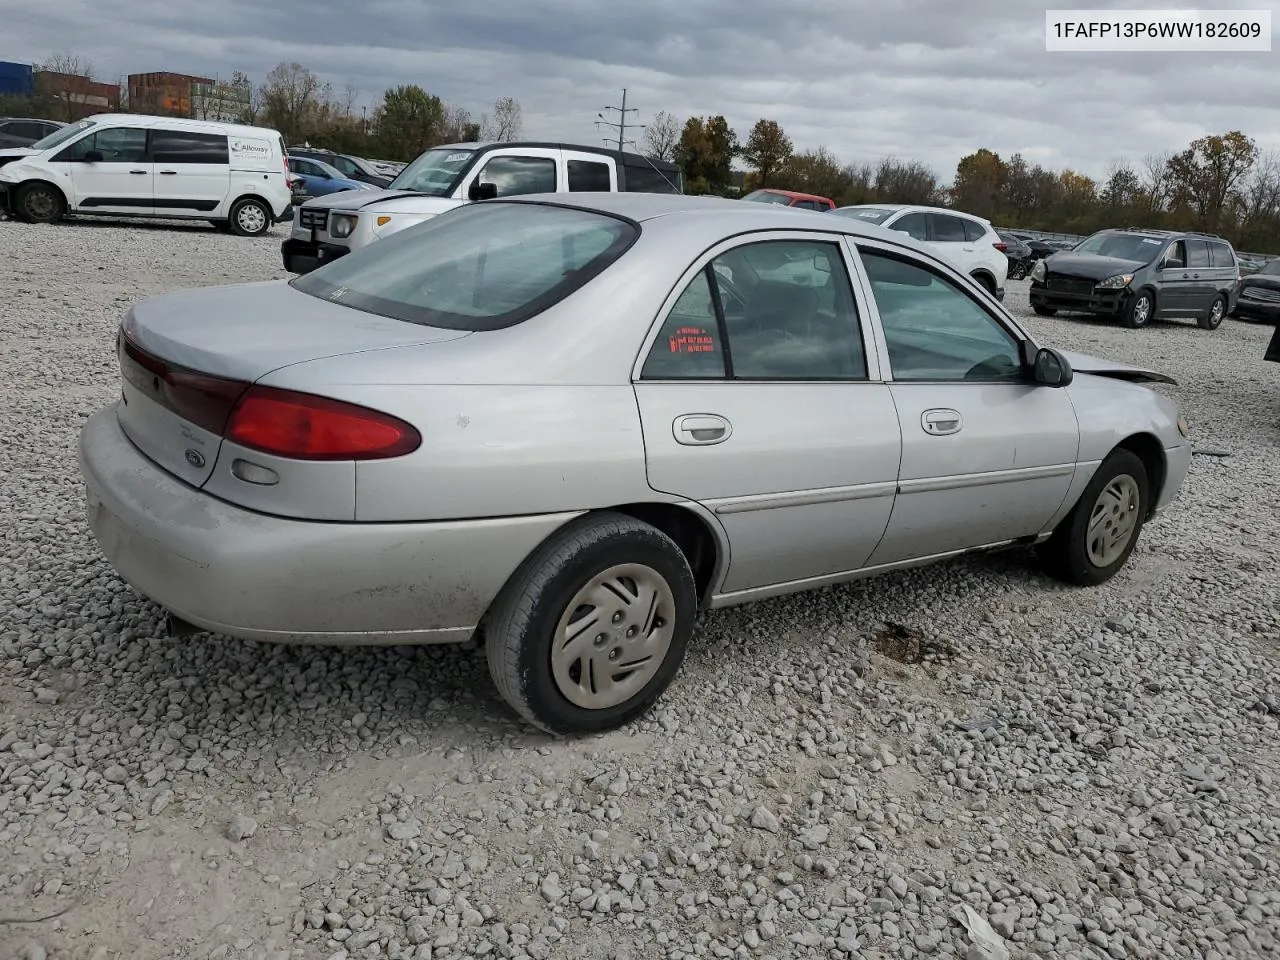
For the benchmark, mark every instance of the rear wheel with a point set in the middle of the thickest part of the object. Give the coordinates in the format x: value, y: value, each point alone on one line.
x: 39, y: 203
x: 1095, y: 539
x: 1043, y: 311
x: 1217, y: 312
x: 986, y: 282
x: 250, y: 218
x: 593, y: 627
x: 1140, y: 310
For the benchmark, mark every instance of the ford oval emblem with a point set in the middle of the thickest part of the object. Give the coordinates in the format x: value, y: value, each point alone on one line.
x: 195, y: 458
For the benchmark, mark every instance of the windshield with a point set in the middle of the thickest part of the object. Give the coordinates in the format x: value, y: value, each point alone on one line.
x: 1122, y: 246
x: 1272, y: 269
x: 482, y: 266
x: 765, y: 196
x: 434, y: 173
x: 869, y: 214
x: 62, y: 136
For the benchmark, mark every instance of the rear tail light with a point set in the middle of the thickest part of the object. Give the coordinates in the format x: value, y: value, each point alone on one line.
x: 302, y: 426
x: 284, y: 423
x: 1002, y: 247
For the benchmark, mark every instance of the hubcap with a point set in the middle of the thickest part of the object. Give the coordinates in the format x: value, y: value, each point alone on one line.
x: 1142, y: 309
x: 613, y: 637
x: 1113, y: 520
x: 1215, y: 315
x: 251, y: 218
x: 40, y: 204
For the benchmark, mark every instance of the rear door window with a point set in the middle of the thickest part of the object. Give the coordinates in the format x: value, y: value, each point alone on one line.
x: 973, y: 230
x: 180, y: 146
x: 587, y: 175
x: 945, y: 229
x: 1221, y: 256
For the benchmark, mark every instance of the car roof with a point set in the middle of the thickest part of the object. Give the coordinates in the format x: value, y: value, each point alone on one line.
x: 181, y: 123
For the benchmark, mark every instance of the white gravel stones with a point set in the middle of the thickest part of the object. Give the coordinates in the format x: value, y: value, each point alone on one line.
x: 1096, y: 773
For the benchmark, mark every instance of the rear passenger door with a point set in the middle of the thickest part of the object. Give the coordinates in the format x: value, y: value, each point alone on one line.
x: 1203, y: 287
x: 589, y: 172
x: 760, y: 398
x: 947, y: 235
x: 517, y: 171
x: 192, y: 173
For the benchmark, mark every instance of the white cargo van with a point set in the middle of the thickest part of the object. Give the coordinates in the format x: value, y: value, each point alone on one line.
x: 137, y: 166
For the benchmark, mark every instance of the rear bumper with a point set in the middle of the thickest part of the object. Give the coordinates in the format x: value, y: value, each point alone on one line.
x: 1098, y: 301
x: 303, y: 256
x: 285, y: 215
x: 243, y: 574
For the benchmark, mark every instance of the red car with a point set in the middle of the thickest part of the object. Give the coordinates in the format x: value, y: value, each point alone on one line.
x: 789, y: 198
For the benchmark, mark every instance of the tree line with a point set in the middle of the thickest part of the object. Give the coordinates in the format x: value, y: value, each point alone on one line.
x: 1220, y: 183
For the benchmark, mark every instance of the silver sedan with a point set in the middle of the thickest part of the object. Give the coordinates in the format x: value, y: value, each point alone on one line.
x: 564, y: 424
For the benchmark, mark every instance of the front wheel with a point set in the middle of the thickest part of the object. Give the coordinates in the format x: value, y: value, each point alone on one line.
x: 1095, y: 539
x: 250, y: 218
x: 594, y: 625
x: 1213, y: 319
x: 39, y: 203
x: 1139, y: 311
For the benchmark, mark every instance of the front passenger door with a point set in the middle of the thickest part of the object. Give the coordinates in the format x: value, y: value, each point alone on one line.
x: 987, y: 455
x: 110, y: 171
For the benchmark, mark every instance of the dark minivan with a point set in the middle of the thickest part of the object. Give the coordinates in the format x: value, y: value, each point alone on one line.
x: 1137, y: 275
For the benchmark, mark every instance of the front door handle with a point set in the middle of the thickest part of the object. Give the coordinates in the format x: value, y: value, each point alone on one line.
x: 701, y: 429
x: 169, y: 173
x: 941, y: 422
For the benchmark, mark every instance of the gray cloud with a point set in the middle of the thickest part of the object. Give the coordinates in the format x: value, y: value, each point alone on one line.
x: 921, y: 79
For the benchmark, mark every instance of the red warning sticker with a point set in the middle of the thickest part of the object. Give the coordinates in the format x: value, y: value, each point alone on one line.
x: 691, y: 340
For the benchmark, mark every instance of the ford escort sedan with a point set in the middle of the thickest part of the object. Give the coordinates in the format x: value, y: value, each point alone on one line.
x: 564, y: 424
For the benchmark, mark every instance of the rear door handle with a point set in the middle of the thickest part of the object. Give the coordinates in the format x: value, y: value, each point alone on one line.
x: 701, y: 429
x: 941, y: 422
x: 138, y: 171
x: 169, y: 173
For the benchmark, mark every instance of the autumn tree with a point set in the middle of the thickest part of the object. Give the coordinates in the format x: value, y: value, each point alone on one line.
x: 62, y: 81
x: 767, y: 150
x: 815, y: 171
x: 409, y: 121
x: 978, y: 184
x: 1208, y: 172
x: 662, y: 137
x: 705, y: 154
x: 460, y: 126
x: 293, y: 99
x: 506, y: 122
x: 904, y: 181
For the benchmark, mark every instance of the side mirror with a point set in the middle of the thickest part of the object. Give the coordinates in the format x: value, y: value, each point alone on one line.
x: 483, y: 191
x: 1051, y: 369
x: 93, y: 156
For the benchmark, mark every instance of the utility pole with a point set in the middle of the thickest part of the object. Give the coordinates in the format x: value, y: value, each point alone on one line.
x: 621, y: 124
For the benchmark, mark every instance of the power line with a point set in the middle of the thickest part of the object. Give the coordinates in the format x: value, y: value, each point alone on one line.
x: 620, y: 125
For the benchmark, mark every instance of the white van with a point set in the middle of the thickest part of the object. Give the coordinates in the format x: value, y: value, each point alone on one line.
x: 138, y: 166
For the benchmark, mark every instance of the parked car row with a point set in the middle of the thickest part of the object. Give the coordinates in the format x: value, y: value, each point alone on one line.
x: 24, y: 131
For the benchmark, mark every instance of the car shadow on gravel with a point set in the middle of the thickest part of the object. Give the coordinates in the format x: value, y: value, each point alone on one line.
x: 80, y: 221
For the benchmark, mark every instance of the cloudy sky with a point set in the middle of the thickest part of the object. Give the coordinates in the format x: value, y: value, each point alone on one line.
x: 922, y: 79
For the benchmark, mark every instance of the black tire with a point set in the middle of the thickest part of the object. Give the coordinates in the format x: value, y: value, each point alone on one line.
x: 985, y: 282
x: 1135, y: 314
x: 249, y: 217
x: 1217, y: 313
x: 1043, y: 311
x: 1066, y: 555
x: 39, y: 203
x: 1017, y: 271
x: 523, y: 622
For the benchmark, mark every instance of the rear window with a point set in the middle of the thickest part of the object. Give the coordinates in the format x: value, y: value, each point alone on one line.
x: 481, y: 267
x: 1221, y: 255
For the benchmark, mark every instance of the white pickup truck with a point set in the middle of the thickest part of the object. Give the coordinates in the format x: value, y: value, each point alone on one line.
x: 446, y: 177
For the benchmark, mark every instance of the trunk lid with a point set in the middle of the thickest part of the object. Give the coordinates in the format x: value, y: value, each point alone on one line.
x: 187, y: 357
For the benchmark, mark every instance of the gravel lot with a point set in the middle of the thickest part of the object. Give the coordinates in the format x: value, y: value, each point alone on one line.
x: 1096, y: 773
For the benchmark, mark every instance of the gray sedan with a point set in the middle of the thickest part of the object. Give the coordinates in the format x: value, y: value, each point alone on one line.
x: 565, y: 424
